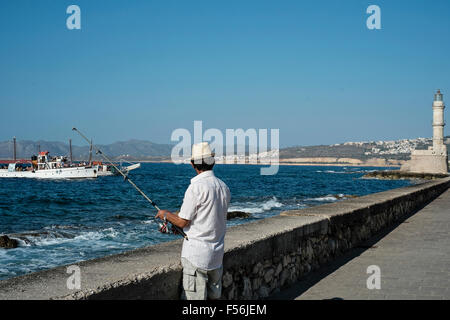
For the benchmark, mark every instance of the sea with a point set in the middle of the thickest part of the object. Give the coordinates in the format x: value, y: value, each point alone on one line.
x: 60, y: 222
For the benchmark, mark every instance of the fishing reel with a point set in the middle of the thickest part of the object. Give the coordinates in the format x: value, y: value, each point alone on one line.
x: 165, y: 228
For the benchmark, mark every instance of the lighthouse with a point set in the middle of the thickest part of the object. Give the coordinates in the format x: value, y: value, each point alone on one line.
x: 435, y: 159
x: 438, y: 124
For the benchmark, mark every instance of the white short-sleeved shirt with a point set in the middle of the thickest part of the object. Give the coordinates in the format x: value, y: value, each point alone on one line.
x: 205, y: 204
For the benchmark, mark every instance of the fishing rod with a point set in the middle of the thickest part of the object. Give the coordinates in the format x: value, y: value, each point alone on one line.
x: 176, y: 228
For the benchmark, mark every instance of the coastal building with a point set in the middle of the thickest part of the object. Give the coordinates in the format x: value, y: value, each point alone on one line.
x: 435, y: 159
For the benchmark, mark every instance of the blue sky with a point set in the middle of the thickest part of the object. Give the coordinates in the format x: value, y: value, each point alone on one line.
x: 140, y: 69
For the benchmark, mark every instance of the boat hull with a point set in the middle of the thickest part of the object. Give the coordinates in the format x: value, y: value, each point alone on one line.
x: 61, y: 173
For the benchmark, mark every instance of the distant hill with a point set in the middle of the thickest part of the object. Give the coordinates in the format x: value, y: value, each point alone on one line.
x: 398, y: 149
x: 132, y: 149
x: 372, y: 153
x: 366, y: 152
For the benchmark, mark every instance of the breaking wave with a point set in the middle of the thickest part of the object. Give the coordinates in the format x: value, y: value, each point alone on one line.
x: 255, y: 207
x: 331, y: 171
x: 52, y: 237
x: 331, y: 197
x: 347, y: 171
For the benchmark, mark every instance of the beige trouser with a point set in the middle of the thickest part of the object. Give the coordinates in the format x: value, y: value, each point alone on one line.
x: 200, y: 284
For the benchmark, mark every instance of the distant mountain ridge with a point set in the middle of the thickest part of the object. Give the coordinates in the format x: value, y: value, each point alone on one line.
x: 396, y: 150
x: 131, y: 149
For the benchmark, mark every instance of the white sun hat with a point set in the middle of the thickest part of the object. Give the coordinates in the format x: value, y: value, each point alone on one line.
x: 201, y: 150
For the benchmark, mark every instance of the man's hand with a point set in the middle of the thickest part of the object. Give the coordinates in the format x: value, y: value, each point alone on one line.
x: 161, y: 214
x: 172, y: 218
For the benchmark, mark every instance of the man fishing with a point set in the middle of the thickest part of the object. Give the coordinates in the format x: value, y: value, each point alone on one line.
x: 203, y: 217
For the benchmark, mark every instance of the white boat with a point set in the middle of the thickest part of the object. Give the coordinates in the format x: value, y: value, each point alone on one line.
x: 42, y: 167
x: 108, y: 170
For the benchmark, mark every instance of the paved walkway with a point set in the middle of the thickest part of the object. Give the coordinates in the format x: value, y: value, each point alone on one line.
x: 414, y: 260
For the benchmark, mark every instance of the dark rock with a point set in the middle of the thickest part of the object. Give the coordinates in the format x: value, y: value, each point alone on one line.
x: 237, y: 214
x: 8, y: 243
x: 41, y: 234
x: 396, y: 175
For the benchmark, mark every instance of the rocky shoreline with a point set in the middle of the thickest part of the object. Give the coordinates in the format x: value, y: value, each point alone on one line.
x: 397, y: 175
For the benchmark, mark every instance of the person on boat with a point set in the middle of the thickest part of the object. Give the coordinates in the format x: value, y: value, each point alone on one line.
x: 203, y: 218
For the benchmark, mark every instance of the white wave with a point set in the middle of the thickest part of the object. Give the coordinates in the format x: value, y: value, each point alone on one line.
x: 110, y: 232
x: 330, y: 171
x: 359, y: 171
x: 97, y: 235
x: 273, y: 203
x: 24, y: 243
x: 330, y: 197
x: 49, y: 240
x: 251, y: 207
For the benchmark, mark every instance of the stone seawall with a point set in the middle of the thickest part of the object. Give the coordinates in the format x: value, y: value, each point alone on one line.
x: 260, y: 257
